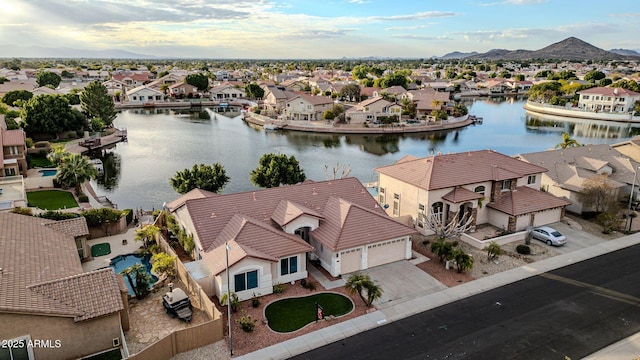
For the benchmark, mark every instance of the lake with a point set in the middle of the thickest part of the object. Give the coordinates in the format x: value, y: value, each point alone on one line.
x: 163, y: 141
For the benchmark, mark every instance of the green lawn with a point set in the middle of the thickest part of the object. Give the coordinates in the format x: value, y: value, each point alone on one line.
x: 41, y: 162
x: 51, y: 199
x: 291, y: 314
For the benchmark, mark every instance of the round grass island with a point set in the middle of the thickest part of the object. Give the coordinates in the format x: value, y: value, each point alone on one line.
x: 294, y: 313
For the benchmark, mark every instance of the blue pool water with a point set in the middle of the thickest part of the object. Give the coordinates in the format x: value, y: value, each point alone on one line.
x: 122, y: 262
x: 48, y: 172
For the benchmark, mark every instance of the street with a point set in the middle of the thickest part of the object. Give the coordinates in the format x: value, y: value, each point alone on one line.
x: 567, y: 313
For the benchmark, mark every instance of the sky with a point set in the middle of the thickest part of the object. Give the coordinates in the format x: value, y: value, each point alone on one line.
x: 314, y: 29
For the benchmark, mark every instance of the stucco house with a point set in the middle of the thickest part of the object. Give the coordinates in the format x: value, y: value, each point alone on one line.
x: 488, y: 186
x: 306, y: 107
x: 271, y: 233
x: 570, y: 168
x: 143, y: 94
x: 371, y: 109
x: 182, y: 89
x: 13, y: 148
x: 77, y: 228
x: 47, y: 297
x: 227, y: 92
x: 275, y: 98
x: 608, y: 100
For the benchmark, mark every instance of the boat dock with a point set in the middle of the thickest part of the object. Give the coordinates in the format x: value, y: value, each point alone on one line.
x: 87, y: 145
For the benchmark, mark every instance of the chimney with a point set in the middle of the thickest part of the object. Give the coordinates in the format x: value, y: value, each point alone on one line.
x: 254, y: 196
x: 170, y: 287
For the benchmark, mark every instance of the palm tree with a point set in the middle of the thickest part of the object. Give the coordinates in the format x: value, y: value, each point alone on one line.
x: 57, y: 153
x: 74, y: 170
x: 463, y: 260
x: 142, y: 279
x: 361, y: 283
x: 146, y: 233
x: 374, y: 292
x: 567, y: 142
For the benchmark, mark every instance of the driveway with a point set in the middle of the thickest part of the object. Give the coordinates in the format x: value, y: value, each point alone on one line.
x: 576, y: 239
x: 402, y: 281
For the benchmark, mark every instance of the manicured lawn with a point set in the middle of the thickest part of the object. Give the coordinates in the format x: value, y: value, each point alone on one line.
x: 51, y: 199
x: 291, y: 314
x: 41, y: 162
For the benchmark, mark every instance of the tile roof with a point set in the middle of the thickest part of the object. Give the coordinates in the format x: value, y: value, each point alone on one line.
x: 442, y: 171
x: 35, y: 254
x: 348, y: 225
x: 525, y: 200
x: 74, y: 227
x: 287, y: 211
x: 80, y: 293
x: 193, y: 194
x: 12, y: 137
x: 609, y: 91
x: 314, y: 100
x: 459, y: 195
x: 211, y: 215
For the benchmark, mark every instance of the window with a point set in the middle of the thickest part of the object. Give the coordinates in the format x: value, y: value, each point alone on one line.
x: 16, y: 348
x: 13, y: 150
x: 396, y: 204
x: 586, y: 97
x: 135, y: 98
x: 289, y: 265
x: 621, y: 99
x: 9, y: 171
x: 479, y: 189
x: 382, y: 197
x: 531, y: 179
x: 506, y: 185
x: 141, y: 97
x: 246, y: 281
x: 421, y: 207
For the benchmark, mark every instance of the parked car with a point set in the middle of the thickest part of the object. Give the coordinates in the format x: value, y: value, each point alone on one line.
x: 177, y: 304
x: 548, y: 235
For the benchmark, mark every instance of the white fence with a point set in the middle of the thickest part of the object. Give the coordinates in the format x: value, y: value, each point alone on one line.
x: 501, y: 240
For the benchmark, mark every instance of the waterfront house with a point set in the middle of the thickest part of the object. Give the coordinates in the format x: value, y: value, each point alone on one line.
x: 47, y: 297
x: 134, y: 79
x: 608, y: 100
x: 13, y: 149
x: 272, y: 232
x: 76, y: 227
x: 226, y: 92
x: 182, y: 89
x: 488, y: 186
x: 116, y: 87
x: 427, y: 100
x: 275, y: 98
x: 306, y: 107
x: 568, y: 171
x: 144, y: 95
x: 371, y: 110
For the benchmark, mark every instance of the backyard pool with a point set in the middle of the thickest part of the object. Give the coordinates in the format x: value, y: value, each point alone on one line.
x: 122, y: 262
x: 48, y: 172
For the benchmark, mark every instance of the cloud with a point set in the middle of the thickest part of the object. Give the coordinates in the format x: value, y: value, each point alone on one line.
x: 420, y: 37
x: 360, y: 2
x: 625, y: 15
x: 401, y: 28
x: 416, y: 16
x: 308, y: 34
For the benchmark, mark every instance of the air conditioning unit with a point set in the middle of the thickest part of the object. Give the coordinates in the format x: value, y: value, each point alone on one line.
x: 116, y: 342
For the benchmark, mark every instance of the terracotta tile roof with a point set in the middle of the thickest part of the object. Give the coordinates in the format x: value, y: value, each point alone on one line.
x: 314, y: 100
x: 32, y: 254
x: 12, y: 138
x: 287, y: 211
x: 193, y: 194
x: 74, y: 227
x: 252, y: 238
x: 210, y: 215
x: 88, y: 295
x: 348, y: 225
x: 525, y: 200
x: 459, y: 195
x: 442, y: 171
x: 609, y: 91
x: 394, y: 90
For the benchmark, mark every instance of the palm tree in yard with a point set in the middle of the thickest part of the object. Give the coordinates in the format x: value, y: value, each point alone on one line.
x: 146, y: 234
x: 567, y: 142
x: 74, y: 170
x: 361, y: 283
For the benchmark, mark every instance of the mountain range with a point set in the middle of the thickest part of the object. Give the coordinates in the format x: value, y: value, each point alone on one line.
x: 46, y: 52
x: 568, y: 49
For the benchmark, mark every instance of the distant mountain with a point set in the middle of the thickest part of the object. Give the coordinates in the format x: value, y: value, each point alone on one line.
x: 45, y: 52
x: 625, y: 52
x: 457, y: 55
x: 569, y: 49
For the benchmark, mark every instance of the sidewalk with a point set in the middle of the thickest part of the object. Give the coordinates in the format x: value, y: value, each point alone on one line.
x: 304, y: 343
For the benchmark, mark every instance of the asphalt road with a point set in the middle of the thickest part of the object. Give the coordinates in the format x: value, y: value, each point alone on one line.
x: 567, y: 313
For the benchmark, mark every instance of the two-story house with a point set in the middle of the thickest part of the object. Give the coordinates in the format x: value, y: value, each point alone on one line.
x: 227, y: 92
x: 371, y: 110
x: 491, y: 187
x: 13, y: 148
x: 144, y: 95
x: 306, y: 107
x: 608, y: 100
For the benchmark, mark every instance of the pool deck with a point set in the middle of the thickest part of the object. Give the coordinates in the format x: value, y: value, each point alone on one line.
x: 117, y: 248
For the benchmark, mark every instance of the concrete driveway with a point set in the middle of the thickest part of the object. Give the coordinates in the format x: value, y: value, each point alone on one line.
x: 576, y: 239
x: 402, y: 281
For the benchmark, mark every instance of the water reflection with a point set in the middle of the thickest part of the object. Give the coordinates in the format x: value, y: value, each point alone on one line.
x: 111, y: 175
x: 598, y: 129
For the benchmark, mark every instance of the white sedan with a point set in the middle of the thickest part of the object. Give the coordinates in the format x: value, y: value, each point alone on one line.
x: 549, y: 235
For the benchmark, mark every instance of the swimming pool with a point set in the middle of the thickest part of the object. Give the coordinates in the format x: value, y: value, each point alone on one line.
x: 48, y: 172
x: 122, y: 262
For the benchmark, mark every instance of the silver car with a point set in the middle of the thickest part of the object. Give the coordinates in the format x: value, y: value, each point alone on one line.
x: 549, y: 235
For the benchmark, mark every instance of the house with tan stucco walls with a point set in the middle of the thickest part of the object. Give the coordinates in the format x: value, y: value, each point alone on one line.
x: 272, y: 233
x: 45, y: 296
x: 490, y: 187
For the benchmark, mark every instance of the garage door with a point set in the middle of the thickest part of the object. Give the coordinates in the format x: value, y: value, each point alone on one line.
x: 350, y: 260
x: 386, y: 252
x: 546, y: 217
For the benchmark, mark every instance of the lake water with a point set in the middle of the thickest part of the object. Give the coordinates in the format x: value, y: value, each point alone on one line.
x: 162, y: 142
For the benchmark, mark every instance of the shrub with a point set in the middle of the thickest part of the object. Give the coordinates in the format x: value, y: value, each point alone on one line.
x: 308, y: 284
x: 523, y: 249
x: 129, y: 214
x: 22, y: 211
x: 58, y: 215
x: 493, y: 250
x: 247, y: 323
x: 254, y: 301
x: 234, y: 301
x: 279, y: 288
x: 155, y: 249
x: 83, y: 198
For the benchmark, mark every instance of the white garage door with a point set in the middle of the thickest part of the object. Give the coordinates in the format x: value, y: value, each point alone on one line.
x: 546, y: 217
x: 385, y: 252
x: 350, y: 260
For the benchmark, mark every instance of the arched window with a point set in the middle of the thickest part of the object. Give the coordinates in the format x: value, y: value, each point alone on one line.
x: 479, y: 189
x: 437, y: 207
